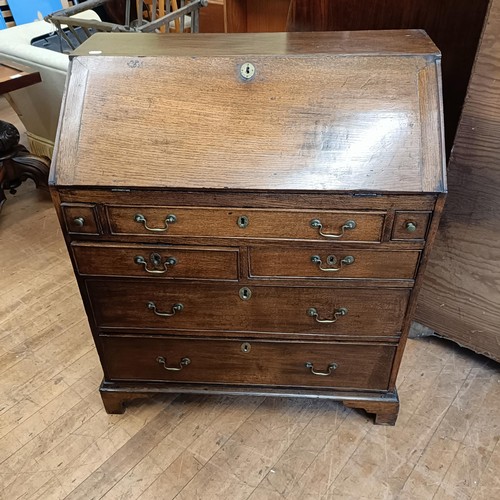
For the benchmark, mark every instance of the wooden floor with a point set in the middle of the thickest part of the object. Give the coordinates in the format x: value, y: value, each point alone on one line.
x: 57, y: 442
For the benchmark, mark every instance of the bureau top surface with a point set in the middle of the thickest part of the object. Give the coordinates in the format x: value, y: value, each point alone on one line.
x: 342, y: 111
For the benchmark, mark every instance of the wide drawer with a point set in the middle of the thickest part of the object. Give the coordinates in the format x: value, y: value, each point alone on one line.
x: 246, y: 223
x: 206, y: 307
x: 334, y: 263
x: 156, y: 261
x: 346, y: 366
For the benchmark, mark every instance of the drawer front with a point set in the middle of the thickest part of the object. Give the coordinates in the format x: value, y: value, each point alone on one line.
x: 156, y: 261
x: 80, y: 218
x: 207, y: 307
x: 410, y: 225
x: 347, y: 366
x: 336, y: 263
x: 246, y: 223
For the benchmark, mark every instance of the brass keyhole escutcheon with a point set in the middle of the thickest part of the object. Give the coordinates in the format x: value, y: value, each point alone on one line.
x: 245, y: 293
x: 242, y: 221
x: 155, y: 259
x: 247, y: 71
x: 331, y: 260
x: 246, y: 347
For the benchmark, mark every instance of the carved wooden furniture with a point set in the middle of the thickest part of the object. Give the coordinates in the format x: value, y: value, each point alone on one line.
x: 17, y: 164
x: 270, y: 236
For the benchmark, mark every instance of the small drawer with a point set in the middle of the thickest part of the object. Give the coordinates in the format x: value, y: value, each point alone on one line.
x: 248, y: 362
x: 333, y: 264
x: 80, y: 218
x: 317, y: 225
x: 230, y: 308
x: 156, y: 261
x: 410, y: 225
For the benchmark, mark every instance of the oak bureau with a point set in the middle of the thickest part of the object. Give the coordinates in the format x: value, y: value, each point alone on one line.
x: 251, y: 213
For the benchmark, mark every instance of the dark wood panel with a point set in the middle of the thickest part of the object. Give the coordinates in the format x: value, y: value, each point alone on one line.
x: 390, y: 42
x: 235, y: 16
x: 210, y: 307
x: 115, y: 10
x: 454, y: 25
x: 157, y: 261
x: 331, y: 126
x: 334, y: 263
x: 335, y: 138
x: 410, y: 225
x: 460, y: 297
x: 223, y: 361
x: 212, y: 17
x: 410, y: 312
x: 263, y: 15
x: 254, y: 16
x: 14, y: 76
x: 241, y: 222
x: 256, y: 199
x: 81, y: 218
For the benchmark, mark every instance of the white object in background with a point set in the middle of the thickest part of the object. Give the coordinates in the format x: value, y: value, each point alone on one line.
x: 38, y: 106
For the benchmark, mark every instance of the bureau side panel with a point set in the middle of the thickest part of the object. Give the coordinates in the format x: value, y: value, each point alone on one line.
x: 418, y: 284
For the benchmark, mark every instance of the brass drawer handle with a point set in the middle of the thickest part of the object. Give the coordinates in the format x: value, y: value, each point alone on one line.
x: 338, y: 313
x: 348, y: 225
x: 155, y: 259
x: 331, y: 259
x: 175, y: 309
x: 182, y: 363
x: 331, y: 367
x: 169, y: 219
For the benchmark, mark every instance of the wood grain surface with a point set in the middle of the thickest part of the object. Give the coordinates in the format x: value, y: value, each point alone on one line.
x: 251, y: 16
x: 160, y: 262
x: 355, y: 123
x: 257, y: 199
x: 390, y: 42
x: 301, y: 123
x: 14, y: 76
x: 124, y: 304
x: 358, y: 366
x: 212, y: 17
x: 56, y: 440
x: 460, y: 297
x: 298, y: 262
x: 454, y: 26
x: 265, y: 224
x: 81, y: 218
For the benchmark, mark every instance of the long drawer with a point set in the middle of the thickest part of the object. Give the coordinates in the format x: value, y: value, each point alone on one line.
x: 210, y: 307
x: 318, y: 225
x: 157, y: 261
x: 294, y: 364
x: 335, y: 263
